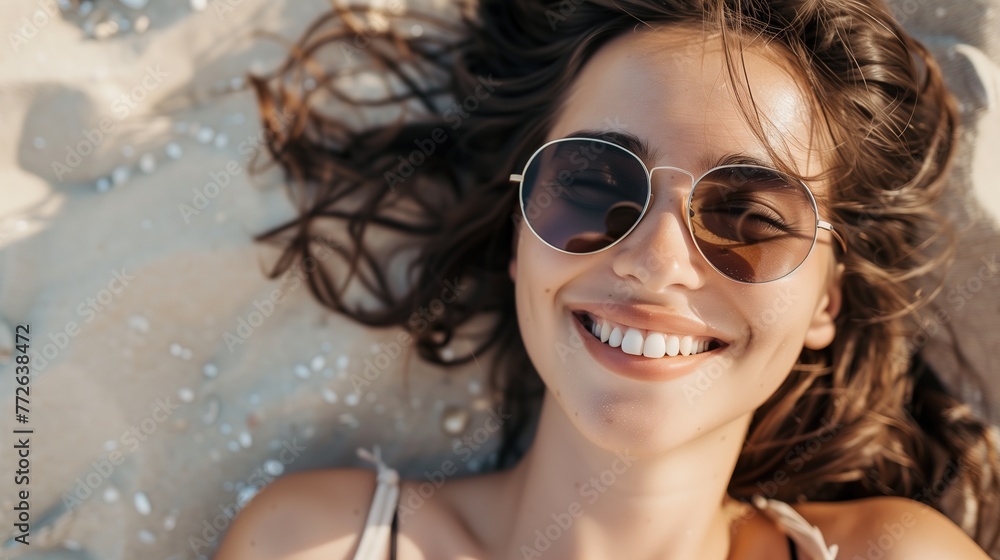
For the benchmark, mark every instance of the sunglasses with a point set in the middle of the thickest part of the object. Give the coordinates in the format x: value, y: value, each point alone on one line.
x: 752, y: 224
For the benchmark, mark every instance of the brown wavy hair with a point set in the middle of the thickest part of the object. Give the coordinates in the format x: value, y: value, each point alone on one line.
x: 482, y: 89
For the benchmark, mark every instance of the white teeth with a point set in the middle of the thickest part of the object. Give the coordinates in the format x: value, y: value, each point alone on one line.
x: 654, y: 347
x: 615, y: 338
x: 646, y: 343
x: 673, y: 345
x: 632, y: 343
x: 686, y: 346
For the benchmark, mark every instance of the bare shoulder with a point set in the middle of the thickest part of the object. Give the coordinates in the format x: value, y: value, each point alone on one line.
x: 310, y: 515
x: 890, y: 528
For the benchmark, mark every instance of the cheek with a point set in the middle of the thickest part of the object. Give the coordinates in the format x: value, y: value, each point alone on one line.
x: 782, y: 311
x: 540, y: 273
x: 776, y: 314
x: 543, y: 286
x: 778, y: 317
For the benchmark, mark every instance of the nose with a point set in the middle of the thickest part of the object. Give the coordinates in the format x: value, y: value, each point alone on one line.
x: 659, y: 252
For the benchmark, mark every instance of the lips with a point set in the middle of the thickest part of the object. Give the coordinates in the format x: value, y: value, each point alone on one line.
x: 648, y: 343
x: 638, y: 355
x: 642, y: 342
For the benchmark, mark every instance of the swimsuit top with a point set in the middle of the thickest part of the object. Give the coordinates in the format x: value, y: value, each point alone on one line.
x: 378, y: 539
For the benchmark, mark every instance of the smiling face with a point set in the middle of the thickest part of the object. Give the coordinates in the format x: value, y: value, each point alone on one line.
x: 669, y: 89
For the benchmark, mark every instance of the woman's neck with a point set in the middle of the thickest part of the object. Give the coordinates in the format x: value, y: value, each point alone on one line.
x: 573, y: 499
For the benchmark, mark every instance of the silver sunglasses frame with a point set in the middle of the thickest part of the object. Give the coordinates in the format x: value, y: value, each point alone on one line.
x: 820, y: 224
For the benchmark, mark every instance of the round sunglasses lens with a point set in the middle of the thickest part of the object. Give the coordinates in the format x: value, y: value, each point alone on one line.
x: 753, y: 224
x: 582, y: 195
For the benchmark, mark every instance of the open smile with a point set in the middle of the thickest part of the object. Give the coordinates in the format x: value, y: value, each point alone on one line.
x: 648, y: 343
x: 644, y: 354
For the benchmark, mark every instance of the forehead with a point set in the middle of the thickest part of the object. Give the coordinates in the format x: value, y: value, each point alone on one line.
x: 671, y: 87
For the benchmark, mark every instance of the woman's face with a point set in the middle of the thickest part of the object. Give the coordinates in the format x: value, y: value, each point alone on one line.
x: 669, y: 88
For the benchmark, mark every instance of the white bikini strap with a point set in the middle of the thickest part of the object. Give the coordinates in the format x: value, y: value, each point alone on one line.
x: 795, y: 526
x: 376, y: 536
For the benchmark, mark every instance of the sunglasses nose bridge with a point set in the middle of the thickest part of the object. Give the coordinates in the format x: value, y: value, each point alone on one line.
x: 672, y: 176
x: 683, y: 172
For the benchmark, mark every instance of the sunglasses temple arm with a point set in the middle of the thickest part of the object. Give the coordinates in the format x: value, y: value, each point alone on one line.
x: 828, y: 226
x: 515, y: 178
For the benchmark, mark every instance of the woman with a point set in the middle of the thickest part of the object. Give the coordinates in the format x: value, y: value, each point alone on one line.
x: 728, y: 204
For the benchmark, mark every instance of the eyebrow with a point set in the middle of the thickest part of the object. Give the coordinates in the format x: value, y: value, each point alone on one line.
x: 627, y: 140
x: 733, y: 158
x: 646, y: 153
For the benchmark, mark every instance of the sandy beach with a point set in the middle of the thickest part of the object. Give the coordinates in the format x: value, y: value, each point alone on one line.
x: 170, y: 379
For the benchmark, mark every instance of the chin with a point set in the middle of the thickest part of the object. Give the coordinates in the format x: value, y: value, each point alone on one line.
x: 644, y: 423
